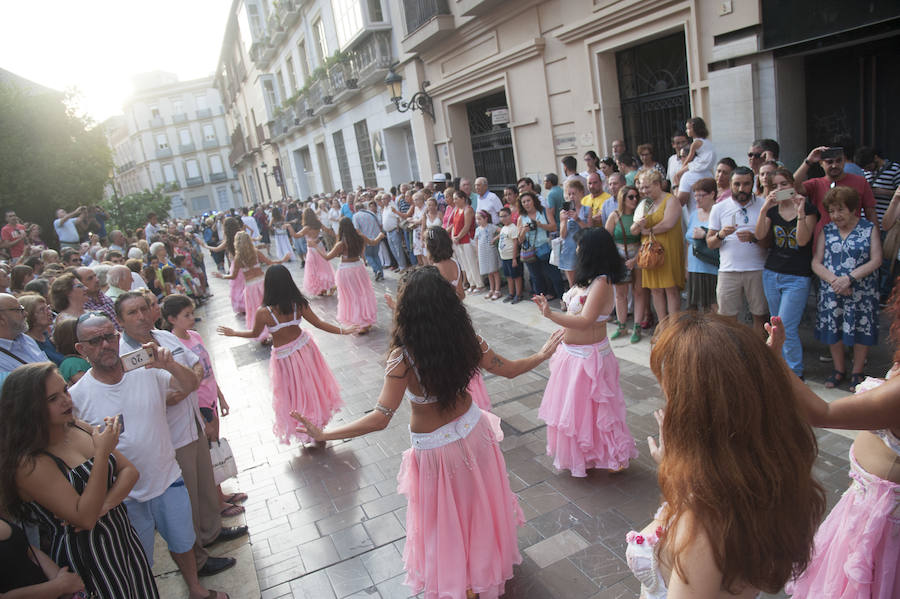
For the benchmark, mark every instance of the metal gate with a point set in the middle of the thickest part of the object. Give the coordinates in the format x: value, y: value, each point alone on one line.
x: 654, y: 93
x: 492, y: 149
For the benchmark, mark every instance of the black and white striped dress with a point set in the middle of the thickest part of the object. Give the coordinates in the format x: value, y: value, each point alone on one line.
x: 109, y: 557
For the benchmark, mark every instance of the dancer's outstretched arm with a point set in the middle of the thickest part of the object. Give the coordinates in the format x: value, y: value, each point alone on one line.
x: 336, y: 250
x: 317, y: 322
x: 262, y: 319
x: 388, y: 401
x: 497, y: 364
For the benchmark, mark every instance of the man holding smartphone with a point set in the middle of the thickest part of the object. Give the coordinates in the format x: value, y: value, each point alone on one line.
x: 832, y: 161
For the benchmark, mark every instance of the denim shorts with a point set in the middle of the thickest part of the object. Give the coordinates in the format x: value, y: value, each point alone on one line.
x: 510, y: 271
x: 170, y: 514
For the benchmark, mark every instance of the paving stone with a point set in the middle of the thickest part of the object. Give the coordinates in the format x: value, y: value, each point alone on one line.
x: 555, y: 548
x: 352, y: 541
x: 348, y: 577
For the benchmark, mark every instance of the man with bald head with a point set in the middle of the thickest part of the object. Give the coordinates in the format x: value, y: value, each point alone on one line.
x: 487, y: 200
x: 117, y: 241
x: 16, y: 347
x: 614, y: 182
x: 96, y: 299
x: 159, y: 500
x: 595, y: 199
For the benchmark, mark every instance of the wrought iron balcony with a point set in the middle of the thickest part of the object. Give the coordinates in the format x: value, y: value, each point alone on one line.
x: 288, y: 12
x: 163, y: 153
x: 419, y: 12
x: 180, y: 117
x: 193, y: 181
x: 343, y: 80
x: 302, y: 110
x: 204, y: 113
x: 258, y: 50
x: 216, y: 177
x: 320, y: 97
x: 238, y: 146
x: 185, y: 148
x: 209, y: 144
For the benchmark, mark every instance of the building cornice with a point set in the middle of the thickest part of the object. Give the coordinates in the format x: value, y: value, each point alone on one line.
x: 490, y: 66
x: 608, y: 15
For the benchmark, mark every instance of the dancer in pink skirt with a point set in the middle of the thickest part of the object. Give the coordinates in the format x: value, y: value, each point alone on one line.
x: 318, y: 276
x: 583, y: 404
x: 232, y: 227
x: 301, y: 380
x: 356, y: 296
x: 857, y: 548
x: 247, y: 261
x: 462, y: 516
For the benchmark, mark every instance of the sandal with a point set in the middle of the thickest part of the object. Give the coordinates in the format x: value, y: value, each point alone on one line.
x: 835, y: 379
x: 855, y: 379
x: 235, y: 498
x: 636, y: 334
x: 232, y: 510
x: 621, y: 330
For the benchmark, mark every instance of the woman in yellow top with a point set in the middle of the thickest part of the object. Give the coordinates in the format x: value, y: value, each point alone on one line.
x: 662, y: 217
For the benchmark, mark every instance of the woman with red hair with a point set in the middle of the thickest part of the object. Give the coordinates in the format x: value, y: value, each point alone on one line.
x: 735, y: 459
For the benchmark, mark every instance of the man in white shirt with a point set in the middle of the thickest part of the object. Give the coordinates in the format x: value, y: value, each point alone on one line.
x: 64, y: 225
x: 16, y: 346
x: 615, y: 182
x: 488, y: 200
x: 159, y: 500
x: 151, y: 228
x: 732, y: 223
x: 679, y: 141
x: 390, y: 224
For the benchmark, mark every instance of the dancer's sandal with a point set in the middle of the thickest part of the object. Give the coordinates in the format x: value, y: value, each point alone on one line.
x: 232, y: 511
x: 636, y: 334
x: 834, y: 379
x: 620, y: 331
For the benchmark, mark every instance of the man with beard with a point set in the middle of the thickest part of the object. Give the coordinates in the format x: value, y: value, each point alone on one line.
x: 815, y: 189
x: 16, y: 348
x: 732, y: 223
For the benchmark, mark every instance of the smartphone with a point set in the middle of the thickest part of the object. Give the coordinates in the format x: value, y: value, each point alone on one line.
x: 121, y: 419
x: 137, y: 358
x: 567, y: 205
x: 734, y: 220
x: 832, y: 153
x: 783, y: 195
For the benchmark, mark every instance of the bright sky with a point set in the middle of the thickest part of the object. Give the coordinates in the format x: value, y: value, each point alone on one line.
x: 98, y: 45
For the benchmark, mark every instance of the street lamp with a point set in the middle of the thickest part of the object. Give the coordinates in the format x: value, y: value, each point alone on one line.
x: 419, y: 100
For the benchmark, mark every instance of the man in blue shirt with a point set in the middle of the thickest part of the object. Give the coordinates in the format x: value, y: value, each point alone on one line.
x: 16, y: 347
x: 555, y: 195
x: 366, y: 222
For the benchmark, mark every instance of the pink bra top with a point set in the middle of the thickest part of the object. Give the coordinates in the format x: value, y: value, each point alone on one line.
x: 293, y: 322
x: 392, y: 363
x: 575, y: 297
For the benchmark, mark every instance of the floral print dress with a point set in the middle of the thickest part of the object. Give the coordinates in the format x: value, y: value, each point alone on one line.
x: 852, y: 318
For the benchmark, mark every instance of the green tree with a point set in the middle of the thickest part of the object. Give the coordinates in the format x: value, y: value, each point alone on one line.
x: 129, y: 212
x: 49, y: 156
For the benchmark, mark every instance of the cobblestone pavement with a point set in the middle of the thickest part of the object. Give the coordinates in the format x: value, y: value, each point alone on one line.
x: 329, y: 523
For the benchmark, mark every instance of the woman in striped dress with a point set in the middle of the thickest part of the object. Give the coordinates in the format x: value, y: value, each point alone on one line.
x: 70, y: 479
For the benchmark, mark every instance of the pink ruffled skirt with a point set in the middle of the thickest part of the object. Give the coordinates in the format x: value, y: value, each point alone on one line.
x: 318, y: 276
x: 237, y: 289
x: 584, y: 409
x: 479, y: 392
x: 462, y: 516
x: 301, y: 381
x: 356, y: 296
x: 857, y: 548
x: 253, y: 296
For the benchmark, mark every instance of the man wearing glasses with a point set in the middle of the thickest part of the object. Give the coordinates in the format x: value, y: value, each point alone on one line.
x: 732, y: 223
x: 832, y: 161
x: 16, y: 348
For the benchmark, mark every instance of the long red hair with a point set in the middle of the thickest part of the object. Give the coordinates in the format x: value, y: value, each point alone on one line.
x: 738, y: 452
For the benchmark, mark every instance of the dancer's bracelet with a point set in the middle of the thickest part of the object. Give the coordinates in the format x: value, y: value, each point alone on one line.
x: 341, y: 329
x: 386, y: 411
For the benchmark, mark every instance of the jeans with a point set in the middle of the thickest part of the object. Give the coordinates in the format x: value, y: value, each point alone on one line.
x: 540, y: 271
x: 395, y: 241
x: 786, y: 296
x: 300, y: 246
x: 408, y: 236
x: 372, y: 259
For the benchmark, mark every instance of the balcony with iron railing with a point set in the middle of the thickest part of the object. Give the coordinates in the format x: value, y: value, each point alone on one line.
x: 209, y: 144
x: 277, y: 31
x: 185, y: 148
x: 320, y: 98
x: 180, y: 117
x: 288, y: 12
x: 216, y: 177
x: 257, y: 51
x: 343, y: 80
x: 204, y: 113
x: 427, y: 21
x: 238, y: 146
x: 193, y: 181
x: 163, y: 153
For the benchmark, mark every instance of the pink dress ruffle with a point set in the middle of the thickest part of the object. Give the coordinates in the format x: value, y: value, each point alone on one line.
x: 318, y: 276
x: 237, y: 289
x: 253, y: 297
x: 857, y: 548
x: 301, y: 381
x: 479, y: 392
x: 584, y: 409
x: 356, y: 296
x: 462, y: 516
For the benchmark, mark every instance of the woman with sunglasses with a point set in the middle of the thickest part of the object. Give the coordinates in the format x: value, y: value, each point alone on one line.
x: 69, y: 477
x: 628, y: 244
x: 68, y: 295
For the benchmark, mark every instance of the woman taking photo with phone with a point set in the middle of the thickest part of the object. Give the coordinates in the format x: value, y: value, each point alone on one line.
x: 788, y: 219
x: 69, y: 477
